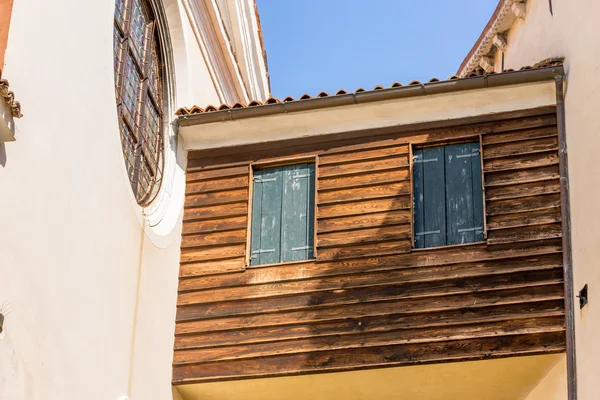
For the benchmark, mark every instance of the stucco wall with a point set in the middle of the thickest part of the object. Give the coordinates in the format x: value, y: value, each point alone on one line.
x: 554, y: 384
x: 572, y: 32
x: 91, y: 285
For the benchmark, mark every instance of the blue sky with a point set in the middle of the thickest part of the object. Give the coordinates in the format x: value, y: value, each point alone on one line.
x: 325, y: 45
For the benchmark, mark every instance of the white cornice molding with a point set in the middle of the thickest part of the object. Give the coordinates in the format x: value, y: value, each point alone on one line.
x: 206, y: 22
x: 505, y: 18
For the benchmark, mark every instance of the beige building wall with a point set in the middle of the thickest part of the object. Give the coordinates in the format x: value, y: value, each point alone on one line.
x: 92, y: 286
x: 572, y: 31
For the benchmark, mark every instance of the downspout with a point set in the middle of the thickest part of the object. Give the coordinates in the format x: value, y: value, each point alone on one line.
x: 566, y: 238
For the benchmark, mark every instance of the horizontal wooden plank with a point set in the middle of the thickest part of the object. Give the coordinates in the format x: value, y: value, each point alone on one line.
x: 520, y: 148
x: 398, y: 276
x: 362, y: 154
x: 539, y: 217
x: 364, y: 250
x: 214, y: 225
x: 372, y: 178
x: 378, y: 323
x: 238, y: 182
x: 218, y: 173
x: 523, y: 204
x: 218, y: 211
x: 394, y: 355
x: 364, y: 221
x: 211, y: 268
x: 214, y: 238
x: 322, y: 269
x: 359, y: 167
x: 535, y: 232
x: 521, y: 162
x: 522, y: 190
x: 524, y: 134
x: 364, y: 294
x: 203, y: 254
x: 363, y: 340
x: 363, y: 207
x: 403, y: 306
x: 521, y: 176
x: 364, y: 193
x: 366, y: 235
x: 217, y: 198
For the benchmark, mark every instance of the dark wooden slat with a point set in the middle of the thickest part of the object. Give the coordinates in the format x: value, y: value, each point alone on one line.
x: 361, y: 341
x: 523, y: 204
x: 362, y: 154
x: 353, y: 168
x: 238, y: 182
x: 217, y: 211
x: 214, y: 239
x: 520, y: 148
x: 363, y: 207
x: 539, y: 217
x: 407, y: 275
x: 217, y: 173
x: 522, y: 190
x: 365, y: 192
x: 372, y: 178
x: 203, y: 254
x: 521, y: 162
x: 363, y: 221
x: 364, y: 294
x: 379, y: 323
x: 526, y: 134
x: 535, y: 232
x: 433, y: 257
x: 211, y: 268
x: 214, y: 225
x: 363, y: 250
x: 217, y: 198
x: 521, y: 176
x: 404, y: 306
x: 347, y: 359
x: 361, y: 236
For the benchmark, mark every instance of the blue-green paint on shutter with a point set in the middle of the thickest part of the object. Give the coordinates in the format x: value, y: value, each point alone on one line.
x: 430, y: 222
x: 459, y: 193
x: 448, y: 195
x: 297, y: 212
x: 269, y: 196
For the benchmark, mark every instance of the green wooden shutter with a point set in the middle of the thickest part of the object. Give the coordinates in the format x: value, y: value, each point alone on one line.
x: 464, y: 214
x: 297, y: 231
x: 430, y: 201
x: 266, y: 216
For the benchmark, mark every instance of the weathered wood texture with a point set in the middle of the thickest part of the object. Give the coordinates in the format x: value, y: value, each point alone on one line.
x: 369, y: 299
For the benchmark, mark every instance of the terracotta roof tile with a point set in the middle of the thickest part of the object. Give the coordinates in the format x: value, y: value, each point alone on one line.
x: 551, y: 62
x: 9, y: 99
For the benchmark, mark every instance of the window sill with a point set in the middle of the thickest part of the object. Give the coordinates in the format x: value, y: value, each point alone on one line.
x: 282, y: 264
x: 450, y: 246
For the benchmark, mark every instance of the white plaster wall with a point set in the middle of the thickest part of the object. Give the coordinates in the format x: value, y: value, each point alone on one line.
x: 92, y: 287
x: 572, y: 31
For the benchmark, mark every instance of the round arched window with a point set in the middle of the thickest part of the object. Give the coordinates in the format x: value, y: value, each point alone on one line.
x: 139, y: 86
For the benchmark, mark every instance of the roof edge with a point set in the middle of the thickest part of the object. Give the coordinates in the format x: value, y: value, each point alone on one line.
x: 529, y: 75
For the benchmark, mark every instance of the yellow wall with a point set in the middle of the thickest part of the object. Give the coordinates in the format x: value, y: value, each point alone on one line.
x: 572, y: 32
x: 553, y: 385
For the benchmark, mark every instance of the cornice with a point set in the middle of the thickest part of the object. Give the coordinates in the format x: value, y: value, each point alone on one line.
x: 9, y: 99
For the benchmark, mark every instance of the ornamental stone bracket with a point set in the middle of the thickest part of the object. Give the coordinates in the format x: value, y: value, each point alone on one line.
x: 9, y: 110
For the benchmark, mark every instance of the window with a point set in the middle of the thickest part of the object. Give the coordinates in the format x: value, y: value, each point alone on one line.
x: 283, y: 202
x: 139, y: 90
x: 448, y: 196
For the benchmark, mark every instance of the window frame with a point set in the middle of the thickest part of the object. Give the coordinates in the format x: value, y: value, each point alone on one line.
x: 265, y: 164
x: 148, y: 159
x: 413, y: 146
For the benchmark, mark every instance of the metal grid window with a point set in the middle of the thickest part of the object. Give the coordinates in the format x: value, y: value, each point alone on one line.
x: 139, y: 72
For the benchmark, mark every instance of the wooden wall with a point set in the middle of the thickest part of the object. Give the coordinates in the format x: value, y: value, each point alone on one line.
x: 369, y: 299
